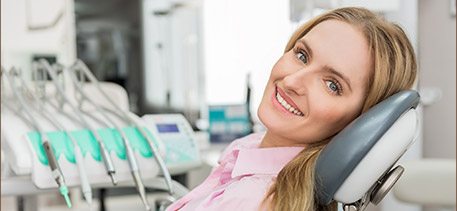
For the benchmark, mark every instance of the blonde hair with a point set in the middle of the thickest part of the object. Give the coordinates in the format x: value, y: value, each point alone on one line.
x: 394, y: 65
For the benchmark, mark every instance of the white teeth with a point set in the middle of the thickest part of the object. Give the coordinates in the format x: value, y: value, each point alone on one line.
x: 287, y: 106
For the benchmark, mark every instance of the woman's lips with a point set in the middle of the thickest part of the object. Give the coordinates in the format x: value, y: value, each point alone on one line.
x: 287, y: 98
x: 281, y: 104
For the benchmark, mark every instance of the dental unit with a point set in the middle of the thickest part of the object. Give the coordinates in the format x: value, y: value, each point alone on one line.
x: 112, y: 124
x: 106, y: 156
x: 132, y: 119
x: 85, y: 185
x: 52, y: 160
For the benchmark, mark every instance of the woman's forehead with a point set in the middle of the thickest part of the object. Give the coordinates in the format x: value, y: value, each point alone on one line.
x: 341, y: 46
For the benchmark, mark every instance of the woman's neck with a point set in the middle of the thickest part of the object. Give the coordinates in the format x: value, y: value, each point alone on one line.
x: 272, y: 140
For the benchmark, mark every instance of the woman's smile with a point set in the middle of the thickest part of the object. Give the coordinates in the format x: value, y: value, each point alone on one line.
x: 285, y: 103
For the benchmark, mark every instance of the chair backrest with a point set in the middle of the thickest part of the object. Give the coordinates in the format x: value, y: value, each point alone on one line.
x: 364, y: 151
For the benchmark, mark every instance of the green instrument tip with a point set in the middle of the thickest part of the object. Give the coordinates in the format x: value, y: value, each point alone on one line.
x: 67, y: 199
x: 64, y: 192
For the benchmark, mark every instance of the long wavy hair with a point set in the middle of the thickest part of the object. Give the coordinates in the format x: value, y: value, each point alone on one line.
x: 394, y: 70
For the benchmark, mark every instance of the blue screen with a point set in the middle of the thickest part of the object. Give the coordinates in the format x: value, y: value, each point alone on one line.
x: 167, y: 128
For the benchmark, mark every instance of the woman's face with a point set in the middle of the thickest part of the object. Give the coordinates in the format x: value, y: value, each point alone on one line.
x: 318, y: 87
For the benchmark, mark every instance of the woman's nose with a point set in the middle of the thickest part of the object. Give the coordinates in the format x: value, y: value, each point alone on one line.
x: 296, y: 82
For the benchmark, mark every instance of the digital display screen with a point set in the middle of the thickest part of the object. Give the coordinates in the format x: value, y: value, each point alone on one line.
x: 167, y: 128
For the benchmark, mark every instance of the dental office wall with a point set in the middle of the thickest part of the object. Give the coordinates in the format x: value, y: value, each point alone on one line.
x: 172, y: 68
x: 437, y: 63
x: 241, y: 40
x: 437, y: 53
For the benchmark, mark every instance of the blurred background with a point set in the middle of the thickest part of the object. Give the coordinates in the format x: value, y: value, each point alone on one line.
x: 209, y: 60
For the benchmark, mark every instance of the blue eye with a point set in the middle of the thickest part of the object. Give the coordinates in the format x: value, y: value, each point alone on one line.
x: 303, y: 57
x: 334, y: 87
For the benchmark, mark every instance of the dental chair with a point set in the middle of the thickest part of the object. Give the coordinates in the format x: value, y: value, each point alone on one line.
x: 358, y: 165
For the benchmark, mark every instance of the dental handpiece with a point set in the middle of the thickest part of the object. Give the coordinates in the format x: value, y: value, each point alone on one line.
x: 106, y: 159
x: 135, y: 171
x: 160, y: 161
x: 130, y: 154
x: 50, y: 157
x: 105, y: 154
x: 130, y: 157
x: 133, y: 119
x: 53, y: 164
x: 136, y: 121
x: 55, y: 170
x: 85, y: 185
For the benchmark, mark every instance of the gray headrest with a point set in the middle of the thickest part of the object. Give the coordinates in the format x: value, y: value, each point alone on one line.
x: 339, y: 158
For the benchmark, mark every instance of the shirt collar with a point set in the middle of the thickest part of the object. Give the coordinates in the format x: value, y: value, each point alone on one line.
x: 263, y: 160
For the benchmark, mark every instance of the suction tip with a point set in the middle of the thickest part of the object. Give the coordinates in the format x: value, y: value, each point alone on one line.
x: 145, y: 203
x: 113, y: 179
x: 90, y: 205
x: 67, y: 200
x: 148, y: 208
x: 64, y: 192
x: 88, y: 198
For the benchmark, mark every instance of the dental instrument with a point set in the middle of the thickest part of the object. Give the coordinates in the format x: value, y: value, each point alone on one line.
x: 132, y: 119
x: 52, y: 160
x: 105, y: 154
x: 130, y: 154
x: 85, y: 185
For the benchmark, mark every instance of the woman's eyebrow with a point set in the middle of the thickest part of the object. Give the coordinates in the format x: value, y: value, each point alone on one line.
x: 307, y: 48
x: 339, y: 74
x: 326, y: 67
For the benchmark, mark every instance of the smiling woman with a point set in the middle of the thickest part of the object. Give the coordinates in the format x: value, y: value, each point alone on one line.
x: 309, y: 96
x: 335, y: 67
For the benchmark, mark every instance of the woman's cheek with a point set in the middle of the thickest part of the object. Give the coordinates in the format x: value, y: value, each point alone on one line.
x: 328, y: 111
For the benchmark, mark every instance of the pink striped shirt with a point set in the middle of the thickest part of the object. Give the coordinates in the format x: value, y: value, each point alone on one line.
x: 241, y: 180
